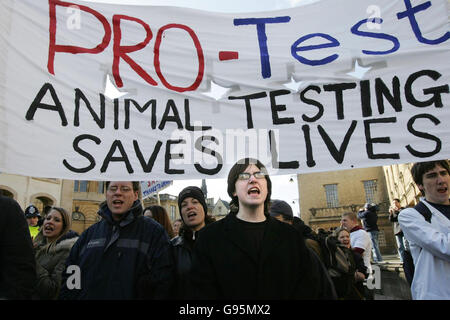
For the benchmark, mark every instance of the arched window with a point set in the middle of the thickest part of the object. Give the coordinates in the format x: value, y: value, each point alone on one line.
x: 6, y: 193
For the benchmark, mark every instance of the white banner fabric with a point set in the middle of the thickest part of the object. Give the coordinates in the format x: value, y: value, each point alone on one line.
x: 326, y: 86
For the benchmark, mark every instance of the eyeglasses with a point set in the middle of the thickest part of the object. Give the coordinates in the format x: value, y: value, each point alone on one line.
x: 122, y: 189
x: 246, y: 175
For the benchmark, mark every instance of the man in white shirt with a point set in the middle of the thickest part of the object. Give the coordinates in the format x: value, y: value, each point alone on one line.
x: 359, y: 238
x: 427, y: 229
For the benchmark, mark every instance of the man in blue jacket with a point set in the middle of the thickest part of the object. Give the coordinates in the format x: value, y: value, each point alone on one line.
x: 123, y: 256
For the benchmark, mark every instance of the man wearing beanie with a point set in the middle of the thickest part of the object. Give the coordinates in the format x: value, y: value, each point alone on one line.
x: 194, y: 213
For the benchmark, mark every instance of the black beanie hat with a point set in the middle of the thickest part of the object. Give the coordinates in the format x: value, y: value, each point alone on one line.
x: 194, y: 192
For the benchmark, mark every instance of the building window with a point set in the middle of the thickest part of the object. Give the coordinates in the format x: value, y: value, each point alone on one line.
x: 80, y: 186
x: 101, y: 187
x: 370, y: 188
x: 332, y: 195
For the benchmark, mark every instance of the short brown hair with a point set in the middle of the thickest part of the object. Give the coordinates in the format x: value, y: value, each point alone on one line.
x: 351, y: 215
x: 420, y: 168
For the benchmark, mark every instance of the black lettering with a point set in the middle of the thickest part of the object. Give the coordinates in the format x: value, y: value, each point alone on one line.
x: 116, y: 114
x: 149, y: 103
x: 279, y: 107
x: 338, y: 155
x: 169, y: 156
x: 382, y: 91
x: 365, y: 98
x: 200, y: 147
x: 338, y: 88
x: 100, y: 120
x: 274, y: 152
x: 309, y: 153
x: 175, y: 118
x: 187, y: 117
x: 424, y: 135
x: 147, y: 166
x: 313, y: 103
x: 248, y: 106
x: 435, y: 91
x: 38, y: 104
x: 123, y: 158
x: 370, y: 141
x: 85, y: 154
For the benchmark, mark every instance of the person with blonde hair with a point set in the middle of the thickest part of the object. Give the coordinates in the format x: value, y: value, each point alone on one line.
x: 52, y: 247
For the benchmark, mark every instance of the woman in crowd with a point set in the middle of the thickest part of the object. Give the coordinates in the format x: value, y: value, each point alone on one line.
x: 159, y: 214
x: 52, y: 247
x: 194, y: 214
x: 357, y: 292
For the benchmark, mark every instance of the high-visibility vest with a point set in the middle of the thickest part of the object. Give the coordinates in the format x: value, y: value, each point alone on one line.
x: 33, y: 231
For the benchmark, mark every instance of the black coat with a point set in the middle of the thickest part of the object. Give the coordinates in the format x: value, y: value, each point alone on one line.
x: 369, y: 218
x: 182, y: 253
x: 224, y: 266
x: 17, y: 266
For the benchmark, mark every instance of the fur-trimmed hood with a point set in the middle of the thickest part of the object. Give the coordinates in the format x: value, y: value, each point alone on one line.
x: 67, y: 241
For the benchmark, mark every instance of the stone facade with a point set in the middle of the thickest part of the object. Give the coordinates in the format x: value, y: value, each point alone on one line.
x: 325, y: 196
x: 41, y: 192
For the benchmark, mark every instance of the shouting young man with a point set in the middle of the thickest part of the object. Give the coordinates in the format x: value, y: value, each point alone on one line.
x: 251, y: 255
x: 427, y: 229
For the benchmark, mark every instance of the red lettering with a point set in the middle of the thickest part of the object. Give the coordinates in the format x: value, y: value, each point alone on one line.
x: 53, y: 47
x: 121, y: 51
x: 201, y: 59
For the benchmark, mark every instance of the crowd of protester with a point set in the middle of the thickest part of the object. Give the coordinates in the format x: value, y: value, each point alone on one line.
x: 260, y: 250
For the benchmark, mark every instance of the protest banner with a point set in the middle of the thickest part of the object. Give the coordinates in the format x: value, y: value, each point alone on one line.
x: 326, y: 86
x: 150, y: 187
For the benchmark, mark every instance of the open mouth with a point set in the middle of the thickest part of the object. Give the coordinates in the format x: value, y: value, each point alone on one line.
x: 117, y: 202
x: 253, y: 191
x: 49, y: 228
x: 442, y: 190
x: 191, y: 214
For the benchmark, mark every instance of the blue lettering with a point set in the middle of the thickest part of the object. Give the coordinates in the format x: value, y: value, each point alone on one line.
x: 262, y: 38
x: 332, y: 43
x: 385, y: 36
x: 410, y: 14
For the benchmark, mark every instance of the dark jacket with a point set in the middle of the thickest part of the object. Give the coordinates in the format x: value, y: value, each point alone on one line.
x: 182, y: 252
x: 358, y: 291
x: 17, y: 267
x: 393, y: 217
x: 182, y: 248
x: 122, y: 260
x: 369, y: 218
x: 50, y: 265
x: 224, y: 267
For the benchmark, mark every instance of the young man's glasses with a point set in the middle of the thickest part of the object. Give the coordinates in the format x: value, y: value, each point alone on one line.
x: 246, y: 175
